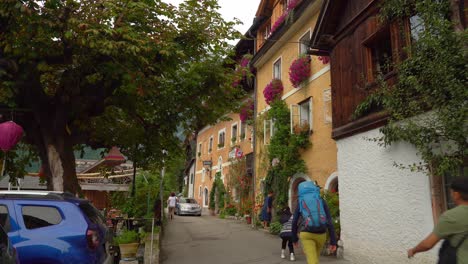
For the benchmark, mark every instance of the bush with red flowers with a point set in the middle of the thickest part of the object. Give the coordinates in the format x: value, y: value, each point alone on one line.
x: 273, y: 91
x: 246, y: 112
x: 299, y: 71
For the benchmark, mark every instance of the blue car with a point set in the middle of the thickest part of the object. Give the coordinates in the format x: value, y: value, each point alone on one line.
x: 54, y: 228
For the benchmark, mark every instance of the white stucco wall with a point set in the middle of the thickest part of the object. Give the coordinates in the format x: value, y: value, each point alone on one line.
x: 191, y: 186
x: 384, y: 210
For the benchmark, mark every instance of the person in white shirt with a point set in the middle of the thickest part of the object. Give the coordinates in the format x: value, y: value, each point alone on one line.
x: 171, y: 204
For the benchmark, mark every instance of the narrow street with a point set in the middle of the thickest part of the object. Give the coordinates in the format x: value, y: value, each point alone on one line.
x: 210, y: 240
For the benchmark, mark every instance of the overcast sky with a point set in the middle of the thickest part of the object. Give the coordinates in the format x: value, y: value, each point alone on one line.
x: 244, y: 10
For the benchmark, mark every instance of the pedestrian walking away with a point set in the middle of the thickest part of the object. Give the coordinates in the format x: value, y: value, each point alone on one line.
x: 312, y: 219
x: 452, y: 227
x: 286, y: 220
x: 266, y: 210
x: 171, y: 204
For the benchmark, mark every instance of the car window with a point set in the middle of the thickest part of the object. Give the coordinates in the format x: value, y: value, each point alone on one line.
x: 182, y: 200
x: 4, y: 219
x: 192, y: 201
x: 40, y: 216
x: 92, y: 213
x: 3, y: 239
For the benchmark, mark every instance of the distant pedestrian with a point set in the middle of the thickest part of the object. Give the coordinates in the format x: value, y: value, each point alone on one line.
x: 452, y: 227
x: 286, y: 220
x: 312, y: 219
x: 266, y: 210
x: 171, y: 204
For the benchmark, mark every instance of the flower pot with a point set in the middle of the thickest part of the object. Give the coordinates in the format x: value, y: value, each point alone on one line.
x: 128, y: 250
x: 248, y: 218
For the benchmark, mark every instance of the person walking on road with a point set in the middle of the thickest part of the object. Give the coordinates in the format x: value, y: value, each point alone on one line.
x: 266, y: 210
x: 312, y: 219
x: 171, y: 203
x: 286, y: 233
x: 452, y: 227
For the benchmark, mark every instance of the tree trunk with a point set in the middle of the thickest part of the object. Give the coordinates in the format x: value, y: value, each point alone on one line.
x: 456, y: 7
x: 57, y: 155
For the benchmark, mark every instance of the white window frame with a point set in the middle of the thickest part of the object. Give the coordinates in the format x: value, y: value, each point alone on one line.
x: 219, y: 133
x: 242, y: 127
x: 268, y: 130
x: 210, y: 144
x: 296, y: 112
x: 300, y: 43
x: 237, y: 132
x: 280, y: 68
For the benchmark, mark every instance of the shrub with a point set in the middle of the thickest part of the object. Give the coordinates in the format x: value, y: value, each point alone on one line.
x: 126, y: 237
x: 275, y: 228
x: 231, y: 209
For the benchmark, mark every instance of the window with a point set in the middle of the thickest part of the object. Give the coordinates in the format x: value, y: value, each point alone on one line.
x: 304, y: 43
x: 203, y: 174
x: 210, y: 146
x: 379, y: 54
x: 462, y: 172
x: 199, y: 149
x: 243, y: 130
x: 199, y: 191
x: 191, y: 178
x: 266, y: 31
x: 221, y: 139
x: 92, y: 213
x: 4, y: 218
x: 40, y: 216
x: 327, y: 106
x: 301, y: 117
x: 268, y: 130
x: 416, y: 27
x: 205, y: 196
x: 234, y: 133
x: 277, y: 69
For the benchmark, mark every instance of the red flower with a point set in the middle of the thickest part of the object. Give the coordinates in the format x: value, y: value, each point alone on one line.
x: 299, y: 71
x: 273, y: 90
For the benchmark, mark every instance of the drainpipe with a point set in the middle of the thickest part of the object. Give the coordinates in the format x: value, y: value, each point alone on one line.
x: 254, y: 143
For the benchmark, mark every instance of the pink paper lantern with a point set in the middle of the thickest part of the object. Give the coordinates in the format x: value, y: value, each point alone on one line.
x: 10, y: 134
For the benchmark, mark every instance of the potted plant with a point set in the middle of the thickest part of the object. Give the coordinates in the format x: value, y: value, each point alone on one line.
x: 128, y: 243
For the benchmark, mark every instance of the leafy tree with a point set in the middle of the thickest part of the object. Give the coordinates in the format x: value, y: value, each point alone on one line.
x: 428, y: 107
x: 104, y: 73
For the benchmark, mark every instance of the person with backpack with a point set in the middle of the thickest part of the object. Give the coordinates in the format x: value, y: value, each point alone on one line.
x: 312, y: 219
x: 452, y: 227
x: 286, y: 219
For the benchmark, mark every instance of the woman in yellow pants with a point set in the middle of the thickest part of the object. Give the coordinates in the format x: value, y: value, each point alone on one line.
x: 312, y: 239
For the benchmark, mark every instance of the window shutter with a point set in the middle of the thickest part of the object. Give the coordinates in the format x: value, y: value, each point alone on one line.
x: 267, y: 125
x: 295, y: 116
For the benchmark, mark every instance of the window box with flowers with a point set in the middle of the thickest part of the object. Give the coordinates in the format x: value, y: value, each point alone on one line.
x: 221, y: 145
x: 299, y: 71
x: 273, y: 91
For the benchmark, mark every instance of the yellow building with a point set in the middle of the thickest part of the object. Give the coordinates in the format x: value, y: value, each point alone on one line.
x: 278, y: 44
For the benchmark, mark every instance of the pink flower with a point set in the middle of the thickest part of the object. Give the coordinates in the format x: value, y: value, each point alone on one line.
x: 246, y: 112
x: 299, y: 71
x: 273, y: 90
x: 324, y: 59
x: 279, y: 21
x: 292, y: 4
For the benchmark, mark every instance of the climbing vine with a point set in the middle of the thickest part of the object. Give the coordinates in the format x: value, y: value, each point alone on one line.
x: 428, y: 106
x: 217, y: 192
x: 283, y: 153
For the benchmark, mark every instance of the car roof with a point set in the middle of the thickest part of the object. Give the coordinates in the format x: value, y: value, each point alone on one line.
x: 43, y: 195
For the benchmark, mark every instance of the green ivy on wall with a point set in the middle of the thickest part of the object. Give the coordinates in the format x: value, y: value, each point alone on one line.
x: 283, y: 154
x: 221, y: 192
x: 427, y: 107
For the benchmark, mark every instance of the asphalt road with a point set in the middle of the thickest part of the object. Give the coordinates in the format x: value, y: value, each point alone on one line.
x: 210, y: 240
